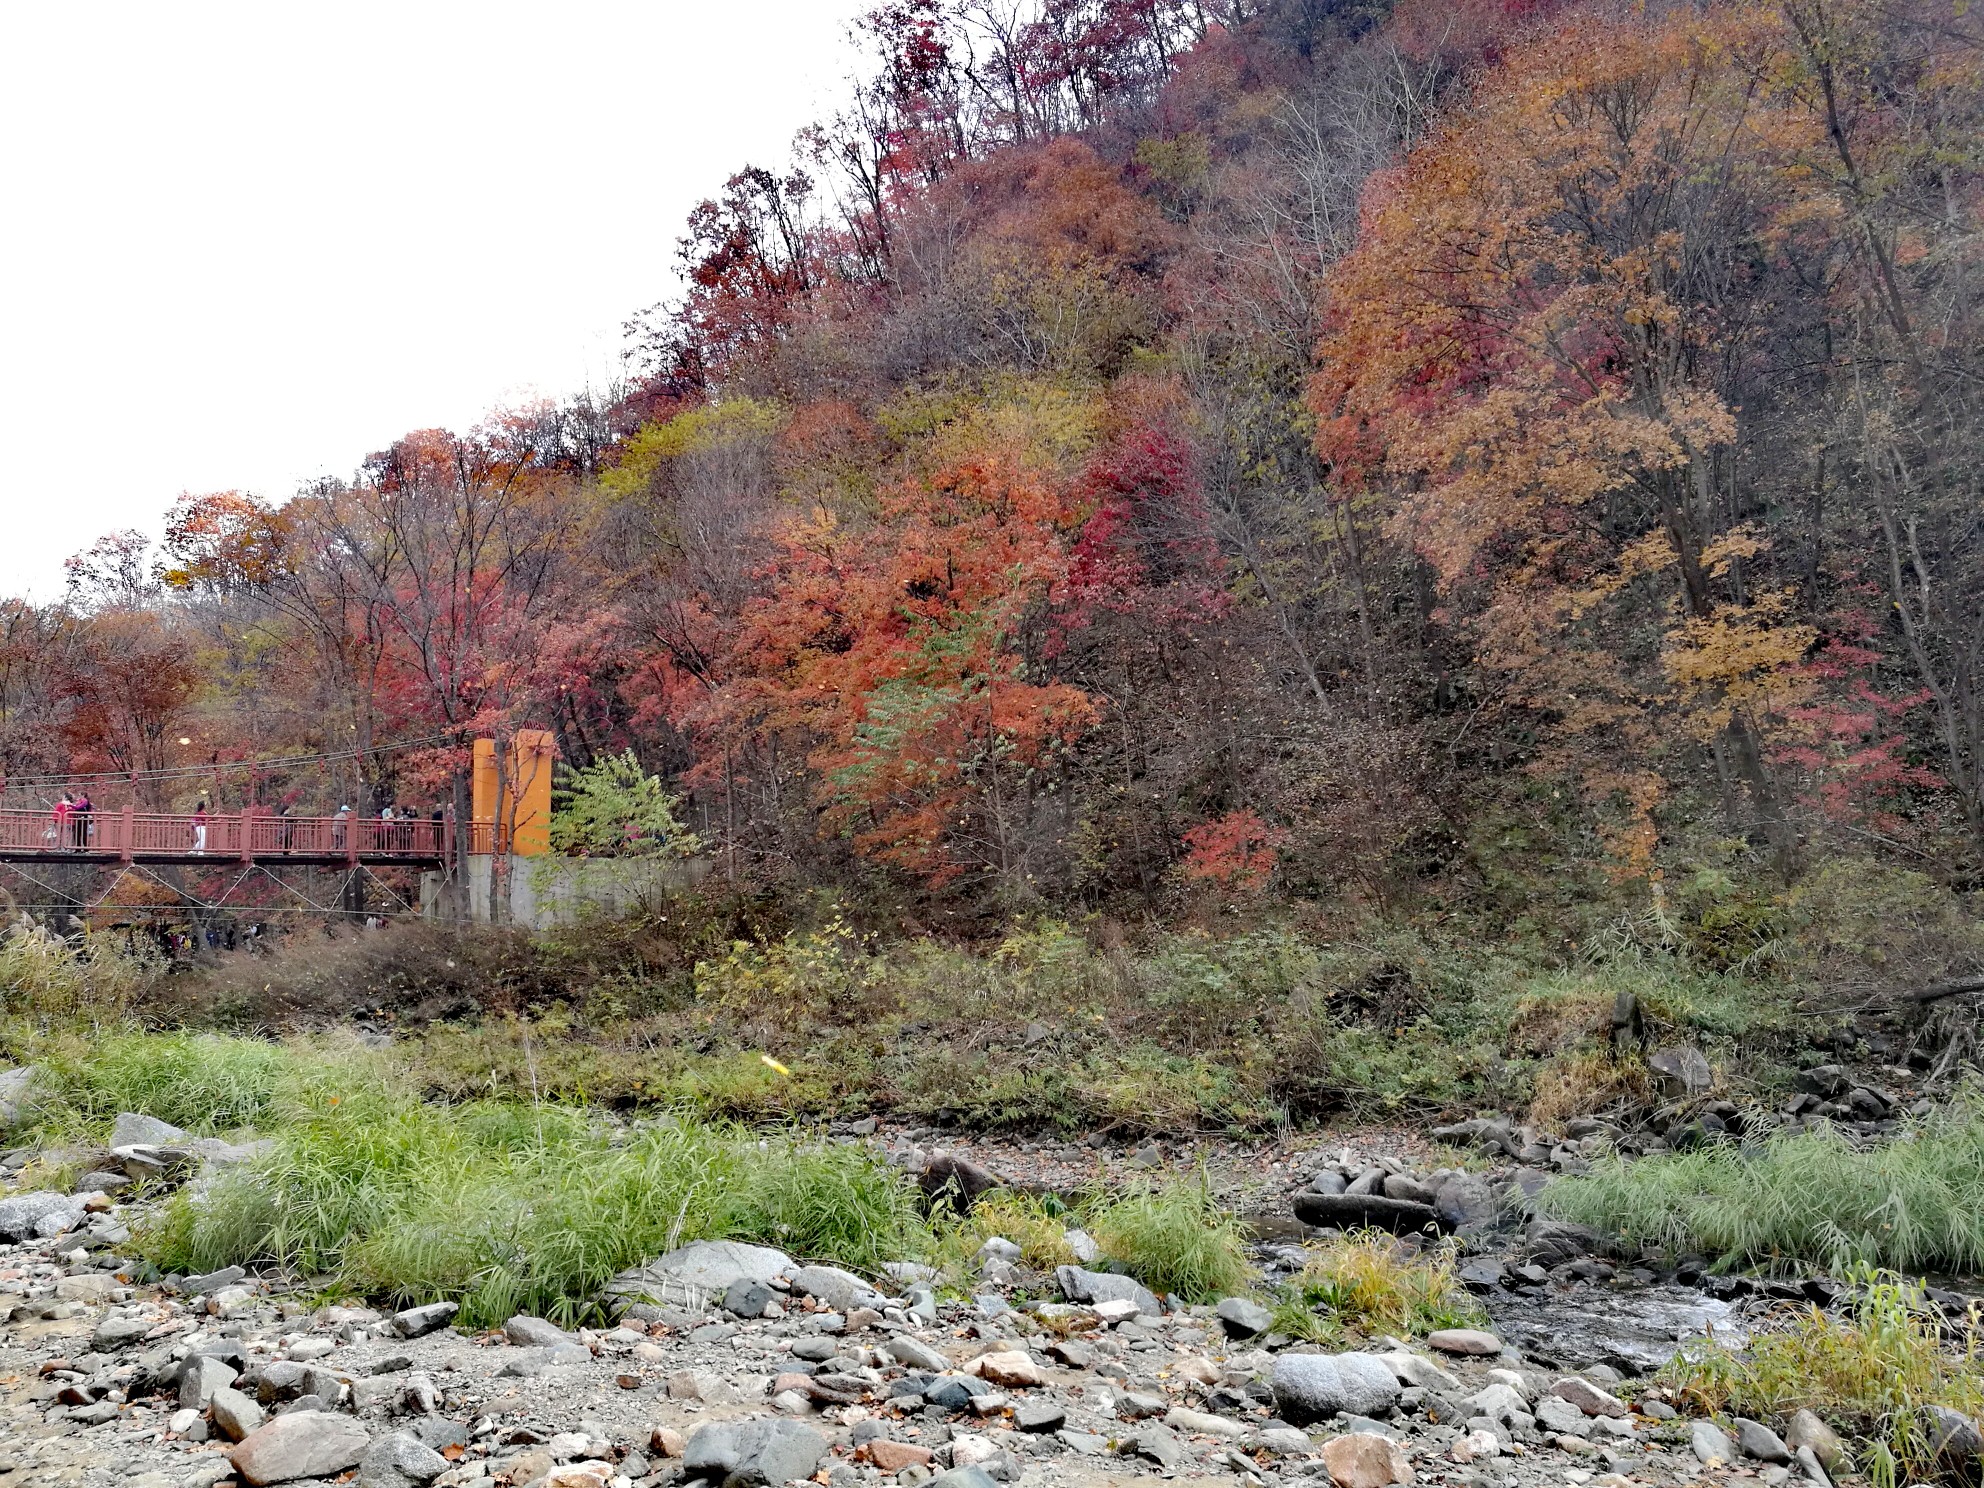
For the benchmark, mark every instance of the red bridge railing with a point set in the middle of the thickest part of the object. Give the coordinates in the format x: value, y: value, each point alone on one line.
x: 128, y: 835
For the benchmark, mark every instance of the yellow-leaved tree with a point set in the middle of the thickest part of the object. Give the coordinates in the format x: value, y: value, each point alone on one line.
x: 1529, y: 356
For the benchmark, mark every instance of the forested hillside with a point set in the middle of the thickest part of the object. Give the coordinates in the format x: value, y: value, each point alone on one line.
x: 1156, y: 455
x: 1267, y: 685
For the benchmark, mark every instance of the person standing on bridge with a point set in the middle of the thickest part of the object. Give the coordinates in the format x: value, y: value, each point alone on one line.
x: 340, y: 825
x: 200, y: 828
x: 64, y: 809
x: 85, y: 818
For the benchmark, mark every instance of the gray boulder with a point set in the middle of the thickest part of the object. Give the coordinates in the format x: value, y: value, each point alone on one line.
x: 215, y: 1153
x: 1953, y: 1436
x: 14, y: 1084
x: 1710, y: 1444
x: 1491, y: 1133
x: 1552, y: 1242
x: 61, y: 1221
x: 21, y: 1215
x: 1757, y: 1440
x: 1682, y: 1070
x: 235, y: 1413
x: 1416, y: 1370
x: 905, y: 1349
x: 762, y: 1453
x: 302, y: 1444
x: 694, y: 1274
x: 1811, y: 1468
x: 530, y: 1332
x: 212, y: 1281
x: 1242, y: 1317
x: 1314, y: 1387
x: 747, y: 1299
x: 1081, y: 1285
x: 533, y: 1361
x: 199, y: 1377
x: 1405, y: 1186
x: 418, y: 1322
x: 279, y: 1379
x: 1828, y: 1081
x: 400, y: 1460
x: 115, y: 1333
x: 1588, y: 1398
x: 841, y: 1290
x: 131, y: 1129
x: 1467, y: 1202
x: 1807, y: 1430
x: 1554, y: 1413
x: 973, y: 1476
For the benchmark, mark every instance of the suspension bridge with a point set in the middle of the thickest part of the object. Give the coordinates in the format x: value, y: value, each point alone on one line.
x: 260, y: 860
x: 217, y: 838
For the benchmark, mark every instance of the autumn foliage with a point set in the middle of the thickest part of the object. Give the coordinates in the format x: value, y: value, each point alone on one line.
x: 1163, y: 453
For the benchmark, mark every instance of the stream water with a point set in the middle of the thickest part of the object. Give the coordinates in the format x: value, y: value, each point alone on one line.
x: 1635, y: 1330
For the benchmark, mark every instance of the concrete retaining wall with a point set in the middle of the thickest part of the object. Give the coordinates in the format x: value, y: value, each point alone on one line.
x: 549, y: 891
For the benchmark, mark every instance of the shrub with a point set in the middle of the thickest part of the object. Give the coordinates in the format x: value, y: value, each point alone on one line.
x: 1876, y: 1371
x: 413, y: 970
x: 1809, y: 1196
x: 830, y: 1201
x: 1175, y: 1240
x: 1863, y: 926
x: 817, y: 976
x: 1585, y: 1081
x: 1369, y: 1282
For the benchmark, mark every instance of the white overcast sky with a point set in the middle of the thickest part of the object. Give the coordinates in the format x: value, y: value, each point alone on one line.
x: 244, y: 244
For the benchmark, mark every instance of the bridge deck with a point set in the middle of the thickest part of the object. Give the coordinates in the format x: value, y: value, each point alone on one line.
x: 130, y: 836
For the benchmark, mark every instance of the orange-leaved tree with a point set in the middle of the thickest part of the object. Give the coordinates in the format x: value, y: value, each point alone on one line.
x: 1535, y: 354
x: 896, y: 651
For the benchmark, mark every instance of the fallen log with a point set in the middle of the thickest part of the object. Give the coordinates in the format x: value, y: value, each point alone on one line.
x: 1948, y: 989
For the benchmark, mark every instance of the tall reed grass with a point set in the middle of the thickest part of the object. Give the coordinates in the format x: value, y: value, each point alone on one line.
x: 1812, y: 1197
x: 1175, y: 1239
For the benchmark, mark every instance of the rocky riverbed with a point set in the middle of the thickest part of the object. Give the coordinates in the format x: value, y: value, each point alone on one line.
x: 741, y: 1366
x: 737, y: 1365
x: 744, y: 1367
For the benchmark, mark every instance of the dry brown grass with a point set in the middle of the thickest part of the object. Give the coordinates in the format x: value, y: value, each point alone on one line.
x: 1876, y: 1371
x: 1584, y: 1081
x: 412, y: 971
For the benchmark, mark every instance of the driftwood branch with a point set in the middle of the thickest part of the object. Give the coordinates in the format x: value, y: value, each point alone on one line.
x: 1948, y: 989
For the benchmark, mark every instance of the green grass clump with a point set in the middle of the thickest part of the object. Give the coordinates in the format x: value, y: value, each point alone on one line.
x: 506, y: 1207
x: 1810, y: 1196
x: 1367, y: 1283
x: 1175, y: 1240
x: 1875, y: 1371
x: 200, y: 1081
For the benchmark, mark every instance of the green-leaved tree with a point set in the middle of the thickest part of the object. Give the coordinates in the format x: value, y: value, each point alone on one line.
x: 615, y: 809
